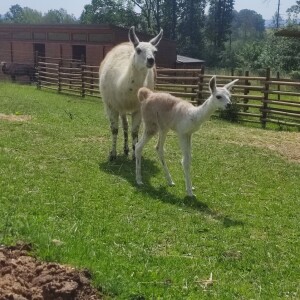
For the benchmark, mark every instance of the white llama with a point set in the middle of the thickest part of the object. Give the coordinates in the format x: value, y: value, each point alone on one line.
x: 126, y: 68
x: 162, y: 112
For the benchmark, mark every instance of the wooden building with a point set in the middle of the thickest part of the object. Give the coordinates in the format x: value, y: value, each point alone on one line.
x: 19, y: 43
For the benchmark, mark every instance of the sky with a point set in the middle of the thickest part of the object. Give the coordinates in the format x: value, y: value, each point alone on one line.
x: 266, y: 8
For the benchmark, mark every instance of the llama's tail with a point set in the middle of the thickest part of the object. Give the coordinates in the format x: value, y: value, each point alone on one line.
x: 144, y: 93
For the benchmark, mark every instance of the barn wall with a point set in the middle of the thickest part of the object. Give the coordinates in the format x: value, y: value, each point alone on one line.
x: 53, y: 50
x: 66, y: 52
x: 17, y: 42
x: 94, y: 54
x: 23, y: 52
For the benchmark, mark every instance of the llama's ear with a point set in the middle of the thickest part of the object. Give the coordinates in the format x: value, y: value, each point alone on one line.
x: 229, y: 85
x: 132, y: 37
x: 155, y: 41
x: 213, y: 84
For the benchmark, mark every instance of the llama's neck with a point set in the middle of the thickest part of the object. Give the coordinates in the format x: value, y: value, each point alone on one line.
x: 134, y: 76
x: 204, y: 111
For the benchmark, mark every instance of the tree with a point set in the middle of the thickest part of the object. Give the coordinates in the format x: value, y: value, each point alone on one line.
x: 23, y: 15
x: 190, y: 36
x: 120, y: 13
x: 219, y: 22
x: 58, y: 16
x: 169, y: 18
x: 15, y: 14
x: 26, y: 15
x: 248, y: 56
x: 247, y: 25
x: 150, y: 12
x: 294, y: 14
x: 280, y: 53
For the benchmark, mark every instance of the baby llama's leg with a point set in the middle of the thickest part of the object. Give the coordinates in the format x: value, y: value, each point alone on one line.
x: 185, y: 143
x: 160, y: 151
x: 138, y: 155
x: 135, y: 126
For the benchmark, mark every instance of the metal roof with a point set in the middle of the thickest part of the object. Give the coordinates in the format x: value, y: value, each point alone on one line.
x: 188, y: 60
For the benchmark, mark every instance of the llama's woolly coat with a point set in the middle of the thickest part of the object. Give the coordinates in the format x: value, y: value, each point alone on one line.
x: 126, y: 68
x: 119, y: 82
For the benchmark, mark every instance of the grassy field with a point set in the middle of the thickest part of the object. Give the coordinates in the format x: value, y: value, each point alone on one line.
x: 59, y: 192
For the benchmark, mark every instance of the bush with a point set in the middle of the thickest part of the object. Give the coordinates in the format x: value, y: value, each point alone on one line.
x: 295, y: 75
x: 231, y: 113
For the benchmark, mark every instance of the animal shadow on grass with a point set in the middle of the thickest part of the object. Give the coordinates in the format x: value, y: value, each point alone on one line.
x: 125, y: 168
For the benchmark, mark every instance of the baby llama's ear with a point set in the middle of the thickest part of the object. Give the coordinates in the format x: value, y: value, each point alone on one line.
x: 213, y: 84
x: 132, y: 37
x: 229, y: 85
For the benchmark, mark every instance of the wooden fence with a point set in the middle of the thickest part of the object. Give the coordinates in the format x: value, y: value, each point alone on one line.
x: 68, y: 76
x: 258, y: 99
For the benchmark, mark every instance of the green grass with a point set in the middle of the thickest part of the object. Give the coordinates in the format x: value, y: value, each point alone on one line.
x: 151, y: 242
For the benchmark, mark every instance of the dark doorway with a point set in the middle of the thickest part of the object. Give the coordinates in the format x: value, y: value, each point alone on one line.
x: 79, y: 52
x: 39, y: 50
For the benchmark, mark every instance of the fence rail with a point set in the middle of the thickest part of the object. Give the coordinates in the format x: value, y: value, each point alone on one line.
x: 259, y: 99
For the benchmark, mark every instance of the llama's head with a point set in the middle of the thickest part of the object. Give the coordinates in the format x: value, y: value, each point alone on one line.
x: 144, y: 55
x: 221, y: 96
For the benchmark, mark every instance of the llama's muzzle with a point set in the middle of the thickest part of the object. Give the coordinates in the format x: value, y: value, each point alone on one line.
x: 150, y: 62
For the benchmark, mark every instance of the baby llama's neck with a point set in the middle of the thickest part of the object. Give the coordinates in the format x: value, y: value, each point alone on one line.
x: 204, y: 111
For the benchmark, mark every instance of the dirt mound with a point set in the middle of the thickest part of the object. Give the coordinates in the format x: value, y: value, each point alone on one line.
x: 23, y: 277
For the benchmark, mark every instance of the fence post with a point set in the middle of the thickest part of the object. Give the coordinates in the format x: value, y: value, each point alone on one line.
x: 265, y: 99
x: 92, y: 82
x: 246, y: 91
x: 278, y: 86
x: 59, y: 75
x: 37, y: 68
x: 82, y: 81
x: 200, y: 86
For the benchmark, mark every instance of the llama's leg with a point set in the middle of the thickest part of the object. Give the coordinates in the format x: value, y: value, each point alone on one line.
x: 125, y: 129
x: 114, y: 127
x: 138, y: 155
x: 160, y: 151
x: 135, y: 126
x: 185, y: 143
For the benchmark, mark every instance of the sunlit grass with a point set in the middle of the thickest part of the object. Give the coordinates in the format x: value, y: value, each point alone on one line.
x: 151, y: 242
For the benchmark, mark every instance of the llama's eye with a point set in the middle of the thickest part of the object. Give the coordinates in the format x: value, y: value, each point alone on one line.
x: 138, y: 50
x: 154, y: 52
x: 219, y: 97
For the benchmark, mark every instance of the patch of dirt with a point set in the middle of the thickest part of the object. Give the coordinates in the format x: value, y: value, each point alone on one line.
x: 23, y: 277
x: 15, y: 118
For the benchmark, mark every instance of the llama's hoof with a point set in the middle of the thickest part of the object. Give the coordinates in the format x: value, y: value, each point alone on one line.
x: 190, y: 192
x: 191, y: 195
x: 139, y: 182
x: 112, y: 156
x: 171, y: 183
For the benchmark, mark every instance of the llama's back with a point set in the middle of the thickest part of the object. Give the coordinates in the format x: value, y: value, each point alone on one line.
x: 162, y: 108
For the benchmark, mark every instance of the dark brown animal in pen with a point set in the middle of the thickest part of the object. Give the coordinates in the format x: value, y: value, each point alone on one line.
x: 16, y: 69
